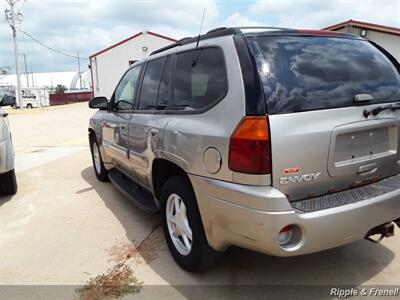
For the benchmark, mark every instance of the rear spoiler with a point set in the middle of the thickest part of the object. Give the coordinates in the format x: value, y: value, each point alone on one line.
x: 392, y: 59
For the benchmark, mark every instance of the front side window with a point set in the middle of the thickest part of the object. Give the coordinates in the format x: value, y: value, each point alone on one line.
x: 151, y: 81
x: 200, y: 79
x: 162, y: 102
x: 125, y: 91
x: 306, y: 73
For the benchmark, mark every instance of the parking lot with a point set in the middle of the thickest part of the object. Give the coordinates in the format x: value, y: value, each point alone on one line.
x: 64, y: 227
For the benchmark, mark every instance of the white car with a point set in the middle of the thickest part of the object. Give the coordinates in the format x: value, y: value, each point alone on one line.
x: 8, y: 182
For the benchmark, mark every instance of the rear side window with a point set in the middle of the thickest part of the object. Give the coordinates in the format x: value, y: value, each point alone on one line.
x: 307, y: 73
x: 200, y: 79
x: 151, y: 81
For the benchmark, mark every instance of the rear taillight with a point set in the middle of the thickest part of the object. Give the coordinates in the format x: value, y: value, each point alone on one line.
x: 249, y: 150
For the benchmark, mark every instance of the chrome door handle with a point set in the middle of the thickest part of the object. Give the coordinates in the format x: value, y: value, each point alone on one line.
x: 108, y: 124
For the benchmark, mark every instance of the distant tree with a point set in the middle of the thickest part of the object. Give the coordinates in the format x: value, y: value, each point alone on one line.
x: 60, y: 89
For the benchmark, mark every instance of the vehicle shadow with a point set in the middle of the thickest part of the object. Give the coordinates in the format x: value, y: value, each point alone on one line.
x: 4, y: 199
x: 241, y: 271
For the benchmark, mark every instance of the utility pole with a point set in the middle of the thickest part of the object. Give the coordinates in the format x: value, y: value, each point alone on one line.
x: 26, y: 71
x: 12, y: 19
x: 79, y: 72
x: 33, y: 82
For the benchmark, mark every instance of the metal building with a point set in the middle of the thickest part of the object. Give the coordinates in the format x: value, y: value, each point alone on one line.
x: 48, y: 80
x: 385, y: 36
x: 108, y: 65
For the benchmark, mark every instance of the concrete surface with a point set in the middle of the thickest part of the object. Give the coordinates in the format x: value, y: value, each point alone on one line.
x: 64, y: 227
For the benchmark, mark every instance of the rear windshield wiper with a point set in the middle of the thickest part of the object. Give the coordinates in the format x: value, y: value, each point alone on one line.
x: 381, y: 108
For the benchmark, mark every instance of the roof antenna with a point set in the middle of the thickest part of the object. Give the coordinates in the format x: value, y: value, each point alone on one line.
x: 201, y: 26
x: 194, y: 63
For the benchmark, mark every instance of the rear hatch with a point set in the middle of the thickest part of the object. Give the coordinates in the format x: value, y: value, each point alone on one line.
x: 320, y: 92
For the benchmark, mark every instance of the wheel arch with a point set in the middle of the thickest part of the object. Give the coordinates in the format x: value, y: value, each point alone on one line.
x: 106, y: 159
x: 162, y: 170
x: 91, y: 133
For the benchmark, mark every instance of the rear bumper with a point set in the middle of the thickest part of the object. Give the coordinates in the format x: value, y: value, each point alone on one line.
x: 252, y: 216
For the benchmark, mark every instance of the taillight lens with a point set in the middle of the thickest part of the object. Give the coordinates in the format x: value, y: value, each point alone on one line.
x: 249, y: 150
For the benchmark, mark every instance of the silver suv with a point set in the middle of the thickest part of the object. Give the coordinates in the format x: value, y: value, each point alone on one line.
x: 281, y: 141
x: 8, y: 182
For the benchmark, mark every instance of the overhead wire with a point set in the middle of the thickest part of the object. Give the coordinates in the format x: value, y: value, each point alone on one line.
x: 51, y: 48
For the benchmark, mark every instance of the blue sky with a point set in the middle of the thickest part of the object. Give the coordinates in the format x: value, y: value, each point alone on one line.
x: 91, y: 25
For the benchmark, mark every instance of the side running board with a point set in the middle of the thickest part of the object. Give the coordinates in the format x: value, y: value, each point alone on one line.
x: 140, y: 197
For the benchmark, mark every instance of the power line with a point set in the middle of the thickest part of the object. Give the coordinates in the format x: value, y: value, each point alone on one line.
x: 51, y: 48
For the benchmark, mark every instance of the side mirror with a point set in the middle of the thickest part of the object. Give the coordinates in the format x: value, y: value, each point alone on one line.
x: 98, y: 103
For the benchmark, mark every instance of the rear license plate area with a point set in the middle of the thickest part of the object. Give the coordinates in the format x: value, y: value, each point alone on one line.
x: 358, y: 144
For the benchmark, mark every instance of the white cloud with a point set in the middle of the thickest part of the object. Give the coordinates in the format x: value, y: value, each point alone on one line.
x: 266, y: 7
x: 91, y: 25
x: 318, y: 14
x: 237, y: 19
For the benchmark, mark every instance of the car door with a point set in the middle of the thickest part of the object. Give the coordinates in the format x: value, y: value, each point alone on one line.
x: 115, y: 125
x: 148, y: 122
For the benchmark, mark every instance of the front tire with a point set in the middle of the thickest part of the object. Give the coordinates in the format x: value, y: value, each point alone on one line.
x: 183, y: 227
x: 8, y: 183
x: 98, y: 165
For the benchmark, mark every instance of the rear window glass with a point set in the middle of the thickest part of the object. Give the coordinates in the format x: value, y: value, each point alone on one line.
x: 308, y: 73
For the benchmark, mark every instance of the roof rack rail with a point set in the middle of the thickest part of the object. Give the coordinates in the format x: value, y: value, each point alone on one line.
x: 217, y: 29
x: 262, y: 27
x: 184, y: 39
x: 216, y: 32
x: 177, y: 43
x: 221, y: 31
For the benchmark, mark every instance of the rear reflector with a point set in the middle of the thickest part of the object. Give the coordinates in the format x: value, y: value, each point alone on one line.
x: 249, y: 150
x: 285, y: 235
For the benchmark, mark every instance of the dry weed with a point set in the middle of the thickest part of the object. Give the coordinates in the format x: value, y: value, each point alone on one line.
x: 116, y: 282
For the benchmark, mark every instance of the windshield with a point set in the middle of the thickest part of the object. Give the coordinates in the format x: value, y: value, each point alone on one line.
x: 301, y: 73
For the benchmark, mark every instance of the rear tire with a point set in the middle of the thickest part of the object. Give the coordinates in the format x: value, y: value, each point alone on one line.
x: 198, y: 255
x: 8, y: 183
x: 29, y: 106
x: 98, y: 165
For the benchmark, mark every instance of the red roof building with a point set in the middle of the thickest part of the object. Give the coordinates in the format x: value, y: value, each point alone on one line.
x: 108, y: 65
x: 386, y: 36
